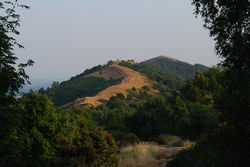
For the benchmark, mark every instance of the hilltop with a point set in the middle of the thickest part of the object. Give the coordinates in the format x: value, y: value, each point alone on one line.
x: 177, y: 67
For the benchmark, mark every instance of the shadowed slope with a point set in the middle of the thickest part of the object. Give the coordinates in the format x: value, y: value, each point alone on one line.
x: 176, y: 67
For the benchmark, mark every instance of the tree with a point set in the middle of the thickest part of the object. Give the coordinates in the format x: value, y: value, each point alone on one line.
x: 229, y: 24
x: 228, y: 145
x: 11, y: 77
x: 49, y: 136
x: 33, y: 132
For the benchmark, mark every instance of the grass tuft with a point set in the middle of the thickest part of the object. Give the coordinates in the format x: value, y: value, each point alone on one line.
x: 139, y: 155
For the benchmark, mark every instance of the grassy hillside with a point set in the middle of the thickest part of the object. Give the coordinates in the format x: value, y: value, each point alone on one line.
x: 79, y: 86
x: 169, y: 74
x: 130, y: 79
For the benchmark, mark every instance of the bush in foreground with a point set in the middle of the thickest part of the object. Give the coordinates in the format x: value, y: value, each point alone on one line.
x: 139, y: 155
x: 47, y: 136
x: 223, y: 148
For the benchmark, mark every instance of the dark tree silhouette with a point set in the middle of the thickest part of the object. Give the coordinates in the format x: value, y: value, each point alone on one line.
x: 11, y: 77
x: 229, y: 23
x: 228, y: 145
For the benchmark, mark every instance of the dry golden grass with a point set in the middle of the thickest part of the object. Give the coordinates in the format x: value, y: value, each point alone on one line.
x: 139, y: 155
x: 147, y: 154
x: 131, y: 79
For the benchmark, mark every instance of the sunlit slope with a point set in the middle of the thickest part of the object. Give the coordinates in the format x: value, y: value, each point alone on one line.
x: 130, y: 79
x: 82, y: 85
x: 103, y: 81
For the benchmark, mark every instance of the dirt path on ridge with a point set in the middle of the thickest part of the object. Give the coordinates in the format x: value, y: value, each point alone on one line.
x: 131, y: 79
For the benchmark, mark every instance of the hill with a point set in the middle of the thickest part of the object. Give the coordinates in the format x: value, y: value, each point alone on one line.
x: 166, y: 71
x: 95, y: 84
x: 88, y: 83
x: 131, y: 79
x: 104, y: 81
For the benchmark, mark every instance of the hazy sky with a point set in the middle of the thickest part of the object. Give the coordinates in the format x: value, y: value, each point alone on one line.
x: 64, y: 37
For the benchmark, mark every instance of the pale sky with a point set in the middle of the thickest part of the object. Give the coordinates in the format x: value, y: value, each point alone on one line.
x: 65, y: 37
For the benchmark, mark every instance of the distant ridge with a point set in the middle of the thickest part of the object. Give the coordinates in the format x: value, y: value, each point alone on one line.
x: 171, y: 65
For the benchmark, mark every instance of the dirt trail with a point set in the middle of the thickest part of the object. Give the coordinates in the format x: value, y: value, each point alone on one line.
x: 131, y: 79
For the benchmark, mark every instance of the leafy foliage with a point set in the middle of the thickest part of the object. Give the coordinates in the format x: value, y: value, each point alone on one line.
x: 33, y: 131
x: 214, y: 149
x: 228, y: 144
x: 144, y: 115
x: 12, y: 76
x: 47, y: 136
x: 228, y: 22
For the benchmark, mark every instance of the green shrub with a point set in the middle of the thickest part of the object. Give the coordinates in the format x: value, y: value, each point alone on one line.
x: 221, y: 148
x: 48, y: 136
x: 134, y: 89
x: 145, y: 88
x: 170, y: 140
x: 178, y: 143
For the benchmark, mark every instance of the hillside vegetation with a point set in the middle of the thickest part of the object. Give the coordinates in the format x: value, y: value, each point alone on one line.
x: 167, y: 71
x: 81, y: 85
x: 173, y: 66
x: 131, y: 79
x: 104, y: 81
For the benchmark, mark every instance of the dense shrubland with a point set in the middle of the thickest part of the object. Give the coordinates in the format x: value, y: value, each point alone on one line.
x: 44, y: 135
x: 144, y: 115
